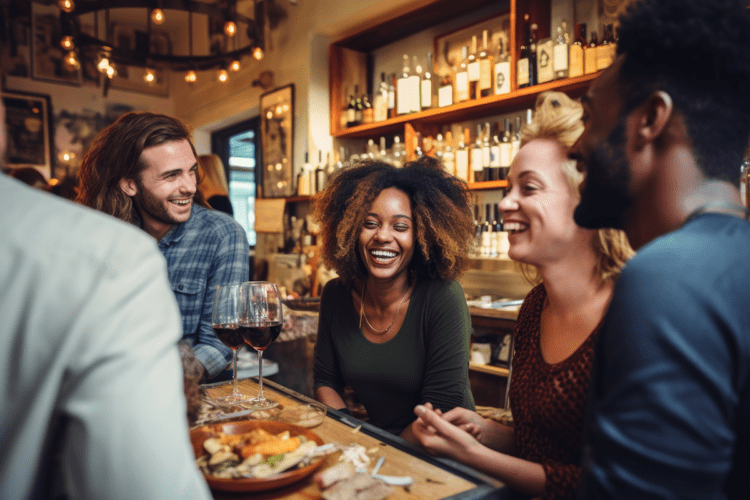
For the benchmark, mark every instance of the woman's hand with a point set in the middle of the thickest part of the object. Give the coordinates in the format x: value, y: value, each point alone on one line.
x: 468, y: 421
x: 439, y: 436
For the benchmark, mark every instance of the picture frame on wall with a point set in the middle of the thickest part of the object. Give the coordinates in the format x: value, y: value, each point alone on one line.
x: 277, y: 141
x: 48, y: 58
x: 131, y: 78
x: 28, y: 123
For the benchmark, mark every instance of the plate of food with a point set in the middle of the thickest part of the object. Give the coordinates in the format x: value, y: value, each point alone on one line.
x: 254, y: 455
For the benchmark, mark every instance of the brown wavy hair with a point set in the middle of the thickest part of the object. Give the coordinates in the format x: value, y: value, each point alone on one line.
x: 558, y: 117
x: 116, y: 154
x: 443, y: 225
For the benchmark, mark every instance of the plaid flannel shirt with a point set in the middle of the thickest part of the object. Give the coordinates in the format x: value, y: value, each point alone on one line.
x: 208, y: 250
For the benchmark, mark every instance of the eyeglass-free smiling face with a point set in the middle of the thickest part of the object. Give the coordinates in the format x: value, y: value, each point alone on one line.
x: 164, y: 192
x: 538, y: 209
x: 386, y: 239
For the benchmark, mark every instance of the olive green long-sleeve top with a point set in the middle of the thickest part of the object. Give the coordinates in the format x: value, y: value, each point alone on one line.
x: 427, y: 360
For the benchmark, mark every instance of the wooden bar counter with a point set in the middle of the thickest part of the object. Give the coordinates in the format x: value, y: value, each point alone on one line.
x: 433, y: 478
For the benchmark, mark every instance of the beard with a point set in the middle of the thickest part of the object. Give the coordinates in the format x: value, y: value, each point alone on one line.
x: 604, y: 197
x: 156, y: 208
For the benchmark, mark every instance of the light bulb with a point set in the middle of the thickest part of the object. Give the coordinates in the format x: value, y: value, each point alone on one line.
x: 150, y: 76
x: 157, y: 16
x: 103, y: 63
x: 67, y: 42
x: 111, y: 72
x: 234, y: 65
x: 190, y: 76
x: 223, y: 75
x: 230, y: 29
x: 66, y: 5
x: 71, y: 61
x: 258, y: 53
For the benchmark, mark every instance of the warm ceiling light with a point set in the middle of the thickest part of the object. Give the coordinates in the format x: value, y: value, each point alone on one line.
x: 230, y: 29
x: 103, y: 63
x: 190, y: 76
x: 150, y: 75
x: 111, y: 72
x: 157, y: 16
x: 66, y: 5
x: 67, y: 42
x: 223, y: 75
x: 71, y: 61
x: 258, y: 53
x: 234, y: 65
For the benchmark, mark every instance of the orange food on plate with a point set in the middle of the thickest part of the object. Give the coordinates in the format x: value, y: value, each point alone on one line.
x: 271, y: 447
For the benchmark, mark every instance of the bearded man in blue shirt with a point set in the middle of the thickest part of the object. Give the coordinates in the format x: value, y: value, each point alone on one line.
x: 143, y: 169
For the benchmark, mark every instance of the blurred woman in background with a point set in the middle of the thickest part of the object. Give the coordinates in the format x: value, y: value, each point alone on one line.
x: 214, y: 185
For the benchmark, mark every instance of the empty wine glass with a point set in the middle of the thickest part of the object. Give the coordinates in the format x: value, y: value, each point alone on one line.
x: 260, y: 324
x: 225, y: 319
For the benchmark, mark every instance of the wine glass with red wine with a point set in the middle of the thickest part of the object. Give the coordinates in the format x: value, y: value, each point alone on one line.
x: 260, y: 325
x: 225, y: 319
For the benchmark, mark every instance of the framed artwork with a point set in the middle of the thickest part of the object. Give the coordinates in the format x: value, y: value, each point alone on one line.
x: 276, y: 141
x: 136, y: 39
x: 28, y: 120
x: 448, y: 46
x: 48, y: 57
x: 15, y: 55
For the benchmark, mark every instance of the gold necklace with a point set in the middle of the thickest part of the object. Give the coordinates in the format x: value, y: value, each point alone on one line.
x: 362, y: 311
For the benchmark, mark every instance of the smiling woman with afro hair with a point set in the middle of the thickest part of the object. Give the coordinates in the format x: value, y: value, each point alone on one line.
x: 394, y: 325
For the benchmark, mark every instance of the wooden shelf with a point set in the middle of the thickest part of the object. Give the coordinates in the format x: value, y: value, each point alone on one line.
x: 477, y: 108
x: 293, y: 199
x: 490, y: 369
x: 479, y: 186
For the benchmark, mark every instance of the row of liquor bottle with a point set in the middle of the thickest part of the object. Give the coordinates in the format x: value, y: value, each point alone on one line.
x: 479, y: 73
x: 491, y: 237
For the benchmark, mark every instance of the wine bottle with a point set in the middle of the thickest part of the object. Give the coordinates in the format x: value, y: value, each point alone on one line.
x: 359, y: 108
x: 502, y: 66
x: 462, y: 159
x: 495, y: 155
x: 392, y: 97
x: 380, y: 101
x: 524, y: 66
x: 473, y: 70
x: 462, y: 77
x: 604, y: 51
x: 351, y: 112
x: 486, y: 154
x: 320, y: 174
x: 415, y: 80
x: 476, y: 157
x: 505, y: 150
x: 445, y: 92
x: 367, y: 111
x: 576, y: 51
x: 425, y: 90
x: 403, y: 103
x: 399, y: 152
x: 515, y: 143
x: 485, y: 67
x: 561, y: 52
x: 449, y: 156
x: 589, y: 54
x: 544, y: 61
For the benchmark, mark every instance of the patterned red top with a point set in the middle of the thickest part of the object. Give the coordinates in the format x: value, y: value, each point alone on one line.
x: 549, y: 401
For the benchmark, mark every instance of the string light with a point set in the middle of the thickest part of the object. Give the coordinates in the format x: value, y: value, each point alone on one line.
x: 71, y: 61
x: 157, y: 16
x: 190, y: 76
x: 103, y: 63
x: 111, y: 72
x: 66, y: 5
x: 150, y: 76
x: 258, y: 53
x: 223, y: 75
x: 68, y: 43
x: 234, y: 65
x: 230, y: 28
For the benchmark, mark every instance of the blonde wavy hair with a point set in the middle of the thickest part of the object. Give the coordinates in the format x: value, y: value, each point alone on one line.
x: 558, y: 117
x: 214, y: 176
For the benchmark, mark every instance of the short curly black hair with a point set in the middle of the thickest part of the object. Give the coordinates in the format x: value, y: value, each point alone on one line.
x: 443, y: 224
x: 698, y: 51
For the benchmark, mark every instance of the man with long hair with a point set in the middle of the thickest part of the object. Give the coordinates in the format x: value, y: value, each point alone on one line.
x: 143, y: 169
x: 666, y: 128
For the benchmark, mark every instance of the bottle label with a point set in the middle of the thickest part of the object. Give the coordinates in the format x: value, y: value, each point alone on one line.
x: 486, y: 156
x: 589, y: 60
x: 604, y: 56
x: 391, y: 100
x: 426, y: 93
x: 368, y: 116
x: 416, y: 103
x: 449, y: 163
x: 505, y: 153
x: 522, y: 73
x: 380, y: 107
x: 561, y: 57
x: 462, y: 86
x: 445, y: 96
x: 515, y: 145
x: 476, y: 159
x: 502, y: 77
x: 485, y: 74
x: 351, y: 115
x: 473, y: 71
x: 403, y: 104
x: 576, y: 61
x: 462, y: 164
x: 495, y: 156
x: 545, y: 71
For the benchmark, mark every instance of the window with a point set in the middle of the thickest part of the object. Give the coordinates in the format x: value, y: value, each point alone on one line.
x: 237, y: 146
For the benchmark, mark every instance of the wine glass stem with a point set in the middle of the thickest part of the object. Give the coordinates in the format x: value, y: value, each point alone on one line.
x: 236, y: 391
x: 260, y: 375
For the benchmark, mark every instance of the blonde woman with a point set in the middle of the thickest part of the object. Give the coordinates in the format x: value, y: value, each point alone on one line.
x: 574, y: 270
x: 214, y: 183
